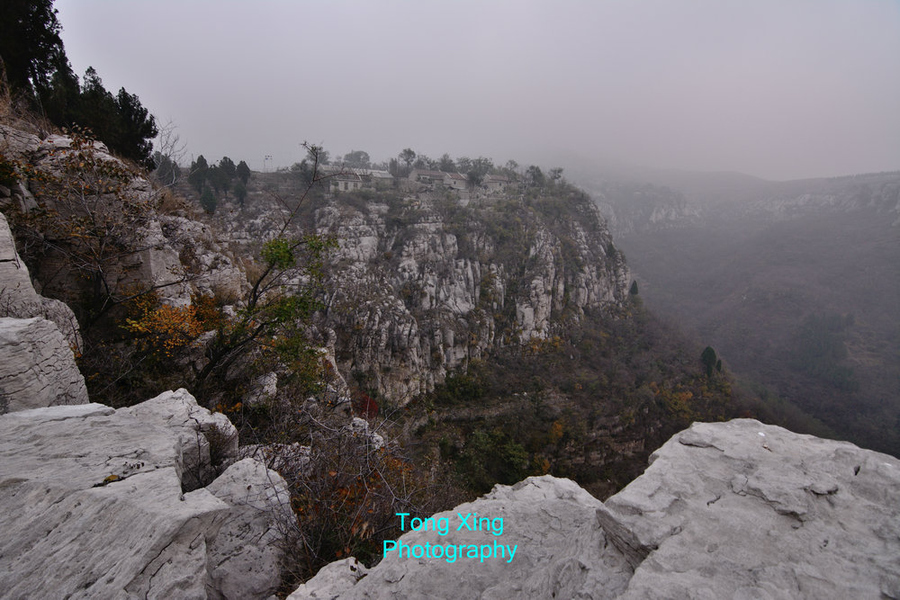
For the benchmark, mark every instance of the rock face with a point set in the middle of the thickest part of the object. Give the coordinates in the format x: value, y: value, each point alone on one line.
x: 744, y: 510
x: 423, y: 284
x: 245, y: 555
x: 640, y: 208
x: 37, y: 337
x: 726, y: 510
x: 200, y: 434
x: 18, y: 297
x: 94, y: 507
x: 149, y: 258
x: 36, y: 366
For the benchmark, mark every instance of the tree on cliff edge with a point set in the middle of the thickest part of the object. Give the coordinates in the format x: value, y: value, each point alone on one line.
x: 37, y: 67
x: 29, y: 42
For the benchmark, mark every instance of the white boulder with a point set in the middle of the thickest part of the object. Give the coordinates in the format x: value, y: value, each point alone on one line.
x: 246, y: 553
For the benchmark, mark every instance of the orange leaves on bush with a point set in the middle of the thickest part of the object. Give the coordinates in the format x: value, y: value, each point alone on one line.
x: 206, y: 311
x: 163, y: 329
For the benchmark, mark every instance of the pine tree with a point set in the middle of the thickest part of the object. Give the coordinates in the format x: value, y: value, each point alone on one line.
x: 208, y: 200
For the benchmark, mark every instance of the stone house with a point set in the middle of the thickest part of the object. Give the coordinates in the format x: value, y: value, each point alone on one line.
x: 346, y: 181
x: 455, y: 181
x: 495, y: 184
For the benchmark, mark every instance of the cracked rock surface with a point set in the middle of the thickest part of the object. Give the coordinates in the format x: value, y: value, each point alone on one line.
x: 725, y: 510
x: 746, y: 510
x: 93, y: 506
x: 18, y: 297
x: 37, y: 367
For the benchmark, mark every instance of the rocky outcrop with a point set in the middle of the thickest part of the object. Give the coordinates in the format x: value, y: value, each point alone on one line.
x: 94, y: 507
x: 421, y: 285
x: 726, y: 510
x: 37, y: 367
x: 245, y: 556
x: 741, y: 509
x: 18, y: 297
x: 331, y: 580
x: 206, y: 440
x: 123, y: 213
x: 632, y: 208
x: 37, y: 339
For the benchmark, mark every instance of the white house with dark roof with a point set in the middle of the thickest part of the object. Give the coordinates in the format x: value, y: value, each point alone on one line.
x: 427, y: 177
x: 455, y: 181
x: 495, y: 183
x: 345, y: 181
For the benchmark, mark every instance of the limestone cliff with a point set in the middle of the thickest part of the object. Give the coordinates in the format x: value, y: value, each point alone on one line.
x: 640, y: 208
x: 37, y: 339
x: 423, y: 284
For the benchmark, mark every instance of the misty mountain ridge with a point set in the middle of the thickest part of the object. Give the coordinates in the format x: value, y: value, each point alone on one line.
x: 794, y: 282
x: 634, y: 198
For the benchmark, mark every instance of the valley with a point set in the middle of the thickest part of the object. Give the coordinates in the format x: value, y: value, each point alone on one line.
x: 794, y: 283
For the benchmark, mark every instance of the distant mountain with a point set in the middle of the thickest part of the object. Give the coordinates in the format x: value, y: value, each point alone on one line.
x: 795, y: 283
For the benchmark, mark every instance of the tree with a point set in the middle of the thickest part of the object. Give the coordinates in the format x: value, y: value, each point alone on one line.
x: 217, y: 178
x: 240, y: 192
x: 61, y: 98
x: 208, y: 200
x: 136, y: 127
x: 170, y: 152
x: 423, y: 162
x: 304, y: 171
x: 96, y: 107
x: 197, y: 176
x: 29, y: 42
x: 319, y: 155
x: 478, y: 169
x: 243, y: 172
x: 228, y: 168
x: 534, y: 176
x: 167, y: 172
x: 357, y: 159
x: 407, y: 156
x: 556, y: 174
x: 634, y: 288
x: 709, y: 359
x: 446, y: 164
x: 120, y: 121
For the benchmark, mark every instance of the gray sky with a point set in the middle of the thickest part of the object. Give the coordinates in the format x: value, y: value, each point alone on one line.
x: 774, y: 88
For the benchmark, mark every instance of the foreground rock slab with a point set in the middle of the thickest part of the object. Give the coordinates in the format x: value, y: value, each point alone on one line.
x: 93, y: 506
x: 726, y: 510
x: 745, y: 510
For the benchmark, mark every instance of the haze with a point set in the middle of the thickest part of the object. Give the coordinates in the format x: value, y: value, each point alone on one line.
x: 779, y: 89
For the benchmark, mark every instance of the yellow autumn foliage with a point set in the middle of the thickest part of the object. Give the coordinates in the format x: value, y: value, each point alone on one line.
x: 163, y: 329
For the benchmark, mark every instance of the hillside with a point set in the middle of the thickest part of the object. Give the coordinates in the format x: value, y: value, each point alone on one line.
x: 488, y: 336
x: 793, y: 282
x: 501, y: 320
x: 382, y: 350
